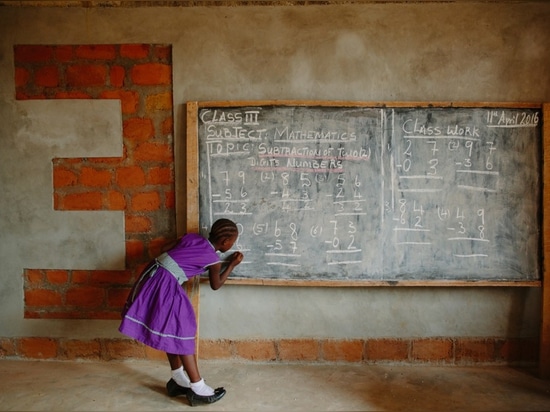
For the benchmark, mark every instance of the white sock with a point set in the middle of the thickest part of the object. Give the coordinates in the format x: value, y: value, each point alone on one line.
x: 181, y: 377
x: 201, y: 388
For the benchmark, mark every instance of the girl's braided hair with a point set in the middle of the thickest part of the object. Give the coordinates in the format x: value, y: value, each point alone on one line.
x: 223, y: 228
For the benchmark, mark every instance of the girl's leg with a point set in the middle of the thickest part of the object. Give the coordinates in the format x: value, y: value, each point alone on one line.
x: 175, y: 361
x: 189, y: 363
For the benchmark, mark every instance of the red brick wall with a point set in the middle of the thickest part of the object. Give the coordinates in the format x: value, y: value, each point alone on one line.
x: 440, y: 351
x: 141, y: 182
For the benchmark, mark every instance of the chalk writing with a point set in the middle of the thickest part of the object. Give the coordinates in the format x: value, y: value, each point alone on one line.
x: 374, y: 193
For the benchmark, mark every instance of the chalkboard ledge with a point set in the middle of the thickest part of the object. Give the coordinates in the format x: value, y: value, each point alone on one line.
x: 380, y: 283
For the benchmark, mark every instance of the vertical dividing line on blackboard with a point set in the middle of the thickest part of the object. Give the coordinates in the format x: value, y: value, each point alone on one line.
x: 382, y: 150
x: 392, y: 161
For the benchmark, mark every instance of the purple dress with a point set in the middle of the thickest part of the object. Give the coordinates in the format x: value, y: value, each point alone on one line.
x: 158, y: 312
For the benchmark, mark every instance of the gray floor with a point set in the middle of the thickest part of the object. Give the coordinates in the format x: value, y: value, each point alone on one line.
x: 139, y: 386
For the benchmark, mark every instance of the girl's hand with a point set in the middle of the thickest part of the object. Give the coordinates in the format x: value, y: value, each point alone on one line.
x: 236, y: 258
x: 218, y: 276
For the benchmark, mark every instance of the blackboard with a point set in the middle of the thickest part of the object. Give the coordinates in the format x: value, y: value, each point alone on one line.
x: 358, y: 192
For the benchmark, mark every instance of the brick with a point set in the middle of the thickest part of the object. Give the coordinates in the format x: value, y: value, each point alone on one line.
x: 95, y: 178
x: 131, y: 176
x: 57, y: 199
x: 116, y: 298
x: 134, y: 51
x: 116, y: 200
x: 22, y: 77
x: 139, y: 269
x: 146, y: 201
x: 57, y: 277
x: 83, y: 201
x: 298, y: 350
x: 80, y: 276
x: 129, y: 100
x: 64, y: 177
x: 475, y: 350
x: 158, y: 102
x: 160, y: 176
x: 38, y: 348
x: 85, y: 296
x: 20, y: 95
x: 34, y: 276
x: 82, y: 349
x: 514, y: 350
x: 64, y: 53
x: 32, y: 314
x: 256, y: 350
x: 530, y: 348
x: 7, y: 347
x: 147, y: 152
x: 96, y: 51
x: 432, y: 350
x: 29, y: 96
x: 342, y: 350
x: 123, y: 349
x: 138, y: 129
x: 386, y: 350
x: 87, y: 75
x: 170, y: 199
x: 116, y: 76
x: 156, y: 246
x: 508, y: 350
x: 32, y: 54
x: 47, y: 76
x: 151, y: 74
x: 163, y: 52
x: 134, y: 249
x: 43, y: 298
x: 110, y: 277
x: 167, y: 126
x: 137, y: 224
x: 215, y: 349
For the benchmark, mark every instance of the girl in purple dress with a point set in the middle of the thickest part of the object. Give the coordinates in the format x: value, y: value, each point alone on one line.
x: 159, y: 314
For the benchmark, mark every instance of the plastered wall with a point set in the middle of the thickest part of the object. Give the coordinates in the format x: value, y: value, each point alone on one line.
x: 463, y: 51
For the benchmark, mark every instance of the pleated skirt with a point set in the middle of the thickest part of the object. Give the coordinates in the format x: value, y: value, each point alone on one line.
x: 160, y: 314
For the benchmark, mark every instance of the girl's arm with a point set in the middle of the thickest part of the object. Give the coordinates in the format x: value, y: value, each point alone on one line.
x: 218, y: 276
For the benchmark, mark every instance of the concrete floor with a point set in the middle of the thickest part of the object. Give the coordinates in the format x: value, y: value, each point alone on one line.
x: 140, y: 386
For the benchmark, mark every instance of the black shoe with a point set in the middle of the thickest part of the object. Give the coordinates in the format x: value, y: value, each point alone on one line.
x: 195, y: 399
x: 174, y: 389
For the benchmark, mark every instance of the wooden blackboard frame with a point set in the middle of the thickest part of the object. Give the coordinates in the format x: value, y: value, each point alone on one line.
x: 187, y: 205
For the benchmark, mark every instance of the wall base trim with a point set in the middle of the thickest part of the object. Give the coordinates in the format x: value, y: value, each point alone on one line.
x: 437, y: 350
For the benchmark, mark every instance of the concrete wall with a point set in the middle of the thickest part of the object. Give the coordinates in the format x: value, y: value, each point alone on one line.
x: 463, y: 51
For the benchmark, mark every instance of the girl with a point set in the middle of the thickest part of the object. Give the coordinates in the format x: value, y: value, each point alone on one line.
x: 159, y: 314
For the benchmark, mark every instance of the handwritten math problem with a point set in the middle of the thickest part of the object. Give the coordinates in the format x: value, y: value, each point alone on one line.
x: 375, y: 193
